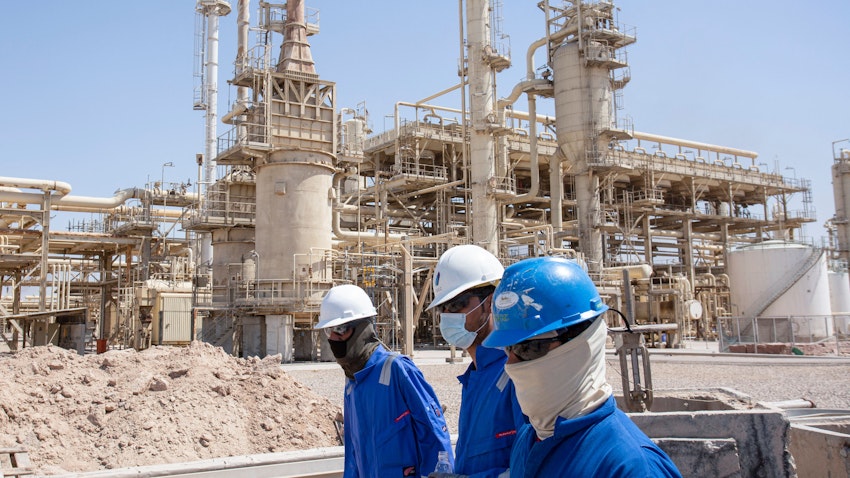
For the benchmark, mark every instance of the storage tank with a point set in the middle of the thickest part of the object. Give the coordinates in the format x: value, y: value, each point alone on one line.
x: 294, y: 218
x: 782, y: 279
x: 839, y: 294
x: 355, y: 135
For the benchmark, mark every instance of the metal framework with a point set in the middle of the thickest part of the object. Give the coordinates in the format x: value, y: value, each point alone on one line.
x: 665, y: 209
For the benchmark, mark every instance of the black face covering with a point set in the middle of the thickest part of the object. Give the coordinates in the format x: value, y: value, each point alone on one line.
x: 352, y: 354
x: 338, y: 347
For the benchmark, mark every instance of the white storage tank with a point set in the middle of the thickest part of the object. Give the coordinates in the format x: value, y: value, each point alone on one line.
x: 355, y: 136
x: 839, y: 293
x: 758, y: 272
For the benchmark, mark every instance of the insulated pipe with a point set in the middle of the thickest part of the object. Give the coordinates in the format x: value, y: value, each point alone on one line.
x: 693, y: 144
x: 522, y: 115
x: 73, y: 201
x: 520, y: 88
x: 243, y: 27
x: 19, y: 197
x: 102, y: 203
x: 87, y: 203
x: 528, y: 86
x: 792, y: 404
x: 441, y: 93
x: 359, y: 236
x: 433, y: 189
x: 243, y: 94
x: 512, y: 114
x: 534, y: 156
x: 421, y: 106
x: 62, y: 188
x: 239, y: 109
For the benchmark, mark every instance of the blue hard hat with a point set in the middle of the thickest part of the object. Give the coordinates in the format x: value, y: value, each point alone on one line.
x: 539, y: 295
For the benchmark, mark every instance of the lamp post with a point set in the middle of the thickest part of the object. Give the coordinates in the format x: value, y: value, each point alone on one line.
x: 835, y: 156
x: 162, y: 177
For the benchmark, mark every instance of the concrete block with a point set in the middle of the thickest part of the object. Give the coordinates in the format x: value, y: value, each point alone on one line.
x: 761, y: 437
x: 820, y: 452
x: 715, y: 457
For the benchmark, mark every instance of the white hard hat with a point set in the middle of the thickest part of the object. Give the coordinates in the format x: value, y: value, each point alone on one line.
x: 344, y: 303
x: 461, y: 268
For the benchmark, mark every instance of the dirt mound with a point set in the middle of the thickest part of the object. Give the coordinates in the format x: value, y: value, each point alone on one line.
x: 162, y: 405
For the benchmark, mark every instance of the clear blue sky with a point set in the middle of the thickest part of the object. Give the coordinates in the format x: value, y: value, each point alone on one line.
x: 99, y: 93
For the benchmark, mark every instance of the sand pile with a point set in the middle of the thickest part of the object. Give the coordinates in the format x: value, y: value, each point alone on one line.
x: 163, y: 405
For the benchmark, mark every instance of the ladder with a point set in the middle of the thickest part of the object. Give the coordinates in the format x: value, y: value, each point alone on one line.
x: 14, y: 462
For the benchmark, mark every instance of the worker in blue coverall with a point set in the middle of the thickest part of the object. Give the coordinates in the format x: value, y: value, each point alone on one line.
x: 547, y: 314
x: 490, y: 416
x: 393, y: 423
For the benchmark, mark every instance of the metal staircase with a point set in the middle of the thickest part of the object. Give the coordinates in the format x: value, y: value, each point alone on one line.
x: 770, y: 296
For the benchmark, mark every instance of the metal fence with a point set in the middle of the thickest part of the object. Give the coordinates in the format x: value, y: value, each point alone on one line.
x: 792, y: 330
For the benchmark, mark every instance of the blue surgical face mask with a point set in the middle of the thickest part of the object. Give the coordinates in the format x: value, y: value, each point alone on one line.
x: 453, y: 328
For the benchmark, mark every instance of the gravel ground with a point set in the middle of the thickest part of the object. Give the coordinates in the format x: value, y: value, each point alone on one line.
x: 823, y: 381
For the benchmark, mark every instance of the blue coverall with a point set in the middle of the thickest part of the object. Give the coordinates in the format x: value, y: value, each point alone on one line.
x: 393, y: 422
x: 490, y: 416
x: 604, y: 443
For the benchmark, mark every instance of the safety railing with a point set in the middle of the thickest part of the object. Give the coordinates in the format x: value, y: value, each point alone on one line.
x: 420, y: 170
x: 644, y: 195
x: 225, y: 212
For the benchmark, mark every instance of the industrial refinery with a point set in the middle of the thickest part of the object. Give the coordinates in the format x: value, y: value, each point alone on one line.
x: 296, y: 193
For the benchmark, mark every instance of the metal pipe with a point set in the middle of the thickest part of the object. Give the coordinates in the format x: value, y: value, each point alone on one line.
x: 336, y: 213
x: 793, y: 403
x: 694, y: 144
x: 443, y: 92
x: 62, y: 188
x: 88, y: 203
x: 74, y: 201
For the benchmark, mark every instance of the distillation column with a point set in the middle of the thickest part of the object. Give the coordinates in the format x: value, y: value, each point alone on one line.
x: 293, y: 223
x: 841, y: 196
x: 223, y: 199
x: 482, y: 94
x: 211, y: 10
x: 582, y: 52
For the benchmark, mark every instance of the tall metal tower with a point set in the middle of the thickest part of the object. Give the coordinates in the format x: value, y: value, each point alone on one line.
x: 206, y: 92
x: 585, y: 52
